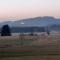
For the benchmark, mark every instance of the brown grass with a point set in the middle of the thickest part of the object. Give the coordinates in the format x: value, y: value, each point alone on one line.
x: 43, y: 47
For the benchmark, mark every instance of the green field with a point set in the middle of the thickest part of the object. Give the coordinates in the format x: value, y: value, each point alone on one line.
x: 41, y: 47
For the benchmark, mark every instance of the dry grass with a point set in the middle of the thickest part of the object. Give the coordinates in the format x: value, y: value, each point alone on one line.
x: 33, y: 58
x: 42, y: 47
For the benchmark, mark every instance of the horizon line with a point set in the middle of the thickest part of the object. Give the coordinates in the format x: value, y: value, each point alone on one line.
x: 17, y: 19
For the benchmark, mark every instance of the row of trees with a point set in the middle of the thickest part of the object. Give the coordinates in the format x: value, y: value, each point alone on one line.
x: 5, y: 31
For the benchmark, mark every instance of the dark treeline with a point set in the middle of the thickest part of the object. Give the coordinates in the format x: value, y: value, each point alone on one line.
x: 5, y: 31
x: 27, y: 29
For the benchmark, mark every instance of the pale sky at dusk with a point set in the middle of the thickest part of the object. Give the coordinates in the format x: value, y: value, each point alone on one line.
x: 17, y: 9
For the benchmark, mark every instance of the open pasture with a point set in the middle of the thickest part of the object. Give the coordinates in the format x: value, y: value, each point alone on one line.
x: 41, y: 47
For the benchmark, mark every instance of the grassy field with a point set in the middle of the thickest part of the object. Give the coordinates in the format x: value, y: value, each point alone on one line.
x: 42, y: 47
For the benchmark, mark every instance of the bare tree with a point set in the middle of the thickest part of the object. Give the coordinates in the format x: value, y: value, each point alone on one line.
x: 48, y: 31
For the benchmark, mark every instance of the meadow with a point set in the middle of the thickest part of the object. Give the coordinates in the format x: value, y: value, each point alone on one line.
x: 39, y: 47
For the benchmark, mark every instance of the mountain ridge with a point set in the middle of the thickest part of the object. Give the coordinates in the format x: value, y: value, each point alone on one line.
x: 37, y: 21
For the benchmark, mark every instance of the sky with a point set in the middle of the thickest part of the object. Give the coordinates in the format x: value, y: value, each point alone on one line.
x: 22, y: 9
